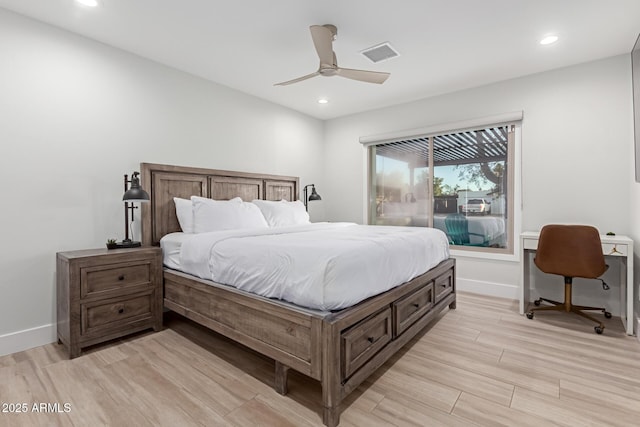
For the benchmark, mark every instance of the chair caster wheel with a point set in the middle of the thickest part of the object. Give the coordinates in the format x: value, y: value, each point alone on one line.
x: 530, y: 315
x: 598, y: 330
x: 537, y: 302
x: 607, y: 315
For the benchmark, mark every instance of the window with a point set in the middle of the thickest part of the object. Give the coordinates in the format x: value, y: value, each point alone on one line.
x: 460, y: 182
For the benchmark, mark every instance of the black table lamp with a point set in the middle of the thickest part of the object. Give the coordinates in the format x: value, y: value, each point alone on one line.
x: 312, y: 197
x: 133, y: 194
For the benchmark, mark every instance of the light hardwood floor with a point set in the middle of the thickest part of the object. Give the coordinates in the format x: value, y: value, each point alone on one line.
x: 481, y: 364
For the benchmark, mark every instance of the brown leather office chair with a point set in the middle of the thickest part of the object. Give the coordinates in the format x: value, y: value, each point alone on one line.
x: 570, y: 251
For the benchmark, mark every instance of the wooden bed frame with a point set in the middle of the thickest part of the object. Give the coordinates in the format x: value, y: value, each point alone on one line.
x: 339, y: 349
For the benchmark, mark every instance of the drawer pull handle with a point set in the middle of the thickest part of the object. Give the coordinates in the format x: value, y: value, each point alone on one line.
x: 416, y: 305
x: 121, y: 277
x: 121, y: 310
x: 372, y: 339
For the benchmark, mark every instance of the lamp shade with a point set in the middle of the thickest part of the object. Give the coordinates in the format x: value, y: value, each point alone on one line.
x: 314, y: 195
x: 135, y: 193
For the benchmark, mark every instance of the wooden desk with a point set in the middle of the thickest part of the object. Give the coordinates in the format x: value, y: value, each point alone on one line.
x: 620, y: 247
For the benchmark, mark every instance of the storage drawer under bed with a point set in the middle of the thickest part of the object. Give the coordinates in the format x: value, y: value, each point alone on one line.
x: 362, y: 341
x: 407, y: 310
x: 443, y: 286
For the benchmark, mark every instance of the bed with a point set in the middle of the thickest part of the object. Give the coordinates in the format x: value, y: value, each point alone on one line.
x: 340, y: 349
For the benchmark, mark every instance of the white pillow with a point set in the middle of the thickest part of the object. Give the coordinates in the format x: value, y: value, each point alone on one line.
x: 217, y: 215
x: 184, y: 212
x: 234, y: 200
x: 283, y: 213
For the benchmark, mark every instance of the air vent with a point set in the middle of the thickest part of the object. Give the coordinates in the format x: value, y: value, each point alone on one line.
x: 380, y: 52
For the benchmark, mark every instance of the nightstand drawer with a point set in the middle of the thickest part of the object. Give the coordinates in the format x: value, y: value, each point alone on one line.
x: 116, y: 313
x: 102, y: 279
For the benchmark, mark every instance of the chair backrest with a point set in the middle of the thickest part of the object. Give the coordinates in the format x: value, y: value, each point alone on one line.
x: 457, y: 229
x: 570, y: 251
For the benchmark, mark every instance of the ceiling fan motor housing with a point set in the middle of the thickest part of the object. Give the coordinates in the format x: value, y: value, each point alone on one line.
x: 333, y: 29
x: 327, y: 71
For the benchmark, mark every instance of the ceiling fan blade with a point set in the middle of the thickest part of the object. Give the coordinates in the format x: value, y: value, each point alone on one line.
x: 362, y: 75
x: 323, y: 41
x: 323, y: 36
x: 299, y: 79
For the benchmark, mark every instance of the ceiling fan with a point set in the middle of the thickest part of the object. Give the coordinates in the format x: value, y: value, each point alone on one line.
x: 323, y: 37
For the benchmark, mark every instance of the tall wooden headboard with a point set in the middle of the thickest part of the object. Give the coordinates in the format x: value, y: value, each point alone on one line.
x: 164, y: 182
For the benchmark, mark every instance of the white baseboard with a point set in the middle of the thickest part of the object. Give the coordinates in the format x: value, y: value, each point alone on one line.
x: 500, y: 290
x: 29, y: 338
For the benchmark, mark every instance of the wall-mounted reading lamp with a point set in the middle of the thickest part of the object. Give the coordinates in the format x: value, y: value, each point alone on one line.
x: 131, y: 195
x: 312, y: 197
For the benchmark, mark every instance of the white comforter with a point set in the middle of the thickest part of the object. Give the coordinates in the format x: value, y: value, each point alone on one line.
x: 325, y: 266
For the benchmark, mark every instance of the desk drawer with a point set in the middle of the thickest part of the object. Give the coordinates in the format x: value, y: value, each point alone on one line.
x: 362, y: 341
x: 411, y: 308
x: 614, y: 249
x: 530, y: 244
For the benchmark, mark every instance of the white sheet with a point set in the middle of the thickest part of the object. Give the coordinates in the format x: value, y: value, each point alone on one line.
x: 171, y: 245
x: 324, y: 266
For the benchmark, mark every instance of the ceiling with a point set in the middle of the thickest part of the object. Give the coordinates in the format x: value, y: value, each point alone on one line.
x: 444, y: 45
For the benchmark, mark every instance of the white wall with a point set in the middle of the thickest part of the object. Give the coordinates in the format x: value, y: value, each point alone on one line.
x: 634, y: 233
x: 75, y: 116
x: 576, y: 139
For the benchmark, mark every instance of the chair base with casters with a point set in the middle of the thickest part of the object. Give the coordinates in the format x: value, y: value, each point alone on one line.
x: 567, y: 306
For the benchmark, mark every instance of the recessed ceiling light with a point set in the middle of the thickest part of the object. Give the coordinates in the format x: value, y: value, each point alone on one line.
x: 323, y: 101
x: 550, y: 39
x: 90, y: 3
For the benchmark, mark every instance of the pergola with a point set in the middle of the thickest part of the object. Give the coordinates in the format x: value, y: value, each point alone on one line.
x: 480, y: 146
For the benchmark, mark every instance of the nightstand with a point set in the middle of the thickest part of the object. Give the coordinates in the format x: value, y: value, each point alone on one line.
x: 105, y: 294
